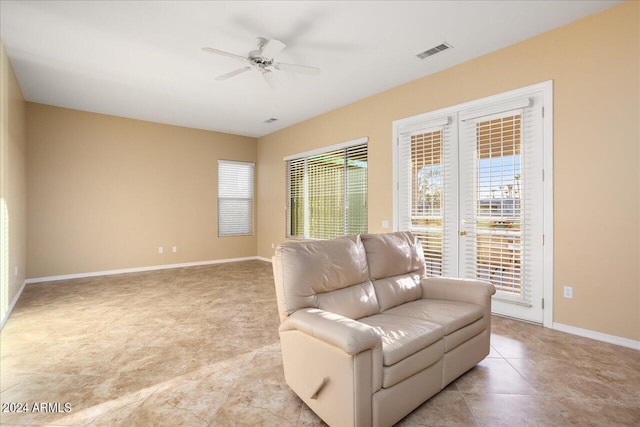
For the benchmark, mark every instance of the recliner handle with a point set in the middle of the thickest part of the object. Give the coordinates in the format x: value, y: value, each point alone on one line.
x: 318, y: 388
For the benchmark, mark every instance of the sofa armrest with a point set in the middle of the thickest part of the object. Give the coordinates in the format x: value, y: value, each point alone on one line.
x: 453, y: 289
x: 351, y: 336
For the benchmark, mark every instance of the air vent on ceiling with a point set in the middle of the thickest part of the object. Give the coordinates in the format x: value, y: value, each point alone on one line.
x: 434, y: 50
x: 271, y: 120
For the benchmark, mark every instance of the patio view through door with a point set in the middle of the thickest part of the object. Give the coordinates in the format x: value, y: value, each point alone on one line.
x: 470, y: 186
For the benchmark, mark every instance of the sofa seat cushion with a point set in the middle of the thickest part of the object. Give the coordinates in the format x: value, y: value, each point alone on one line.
x: 452, y: 315
x: 462, y: 335
x: 392, y: 375
x: 403, y: 336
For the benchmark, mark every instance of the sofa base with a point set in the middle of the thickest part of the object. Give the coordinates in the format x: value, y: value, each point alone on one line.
x: 392, y: 404
x: 464, y: 357
x: 344, y: 402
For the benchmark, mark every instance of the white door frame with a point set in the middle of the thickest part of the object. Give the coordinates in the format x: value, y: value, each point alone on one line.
x: 546, y: 89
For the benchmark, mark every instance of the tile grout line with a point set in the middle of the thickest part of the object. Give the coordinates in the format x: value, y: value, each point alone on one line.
x: 300, y: 414
x: 475, y: 418
x: 523, y: 377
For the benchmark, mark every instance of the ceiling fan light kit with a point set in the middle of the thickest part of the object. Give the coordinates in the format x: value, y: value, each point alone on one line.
x: 263, y: 60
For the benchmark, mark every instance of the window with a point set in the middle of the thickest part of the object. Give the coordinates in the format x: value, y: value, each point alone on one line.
x: 424, y: 183
x: 235, y: 198
x: 498, y: 202
x: 327, y: 191
x: 427, y: 193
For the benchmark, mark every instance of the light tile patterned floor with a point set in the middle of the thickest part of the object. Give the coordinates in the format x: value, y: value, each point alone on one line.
x: 199, y: 347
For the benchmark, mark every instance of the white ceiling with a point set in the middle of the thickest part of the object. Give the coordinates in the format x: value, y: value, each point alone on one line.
x: 142, y: 59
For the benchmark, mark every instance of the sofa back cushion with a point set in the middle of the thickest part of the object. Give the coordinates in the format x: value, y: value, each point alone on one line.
x: 396, y: 266
x: 331, y: 275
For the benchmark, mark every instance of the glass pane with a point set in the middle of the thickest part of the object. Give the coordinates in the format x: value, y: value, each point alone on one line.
x: 357, y: 218
x: 498, y: 203
x: 327, y: 194
x: 325, y: 181
x: 235, y: 179
x: 427, y: 192
x: 296, y: 197
x: 235, y: 217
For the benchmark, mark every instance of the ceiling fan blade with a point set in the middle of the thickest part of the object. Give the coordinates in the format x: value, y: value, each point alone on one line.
x: 233, y: 73
x: 272, y: 48
x: 304, y: 69
x: 270, y: 78
x: 223, y: 53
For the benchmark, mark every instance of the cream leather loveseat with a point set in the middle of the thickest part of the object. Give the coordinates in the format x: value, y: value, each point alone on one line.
x: 366, y: 338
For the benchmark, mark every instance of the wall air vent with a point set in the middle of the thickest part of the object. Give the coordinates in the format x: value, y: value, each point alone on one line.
x: 434, y: 50
x: 271, y: 120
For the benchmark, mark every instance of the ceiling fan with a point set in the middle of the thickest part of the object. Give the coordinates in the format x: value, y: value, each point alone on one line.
x: 263, y: 60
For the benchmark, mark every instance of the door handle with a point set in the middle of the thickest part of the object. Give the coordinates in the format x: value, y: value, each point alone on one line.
x: 463, y: 233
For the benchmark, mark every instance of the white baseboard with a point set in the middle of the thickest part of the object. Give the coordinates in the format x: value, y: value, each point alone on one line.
x: 137, y: 269
x: 13, y: 304
x: 587, y: 333
x: 265, y: 259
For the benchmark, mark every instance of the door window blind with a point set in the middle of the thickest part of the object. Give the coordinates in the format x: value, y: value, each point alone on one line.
x: 498, y: 202
x: 425, y: 171
x: 235, y: 198
x: 327, y: 193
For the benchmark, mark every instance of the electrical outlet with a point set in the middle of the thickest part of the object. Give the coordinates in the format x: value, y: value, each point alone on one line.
x: 273, y: 246
x: 160, y: 249
x: 568, y: 292
x: 175, y: 249
x: 385, y: 223
x: 15, y: 271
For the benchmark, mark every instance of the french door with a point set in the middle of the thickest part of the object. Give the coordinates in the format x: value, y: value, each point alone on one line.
x: 470, y: 186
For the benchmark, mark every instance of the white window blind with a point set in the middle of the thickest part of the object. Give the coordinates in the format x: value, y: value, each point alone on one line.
x: 497, y: 201
x: 426, y: 174
x: 327, y: 193
x: 235, y: 198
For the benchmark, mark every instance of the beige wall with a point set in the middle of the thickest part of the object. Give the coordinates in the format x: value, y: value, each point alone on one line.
x: 594, y: 64
x: 12, y: 182
x: 105, y: 192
